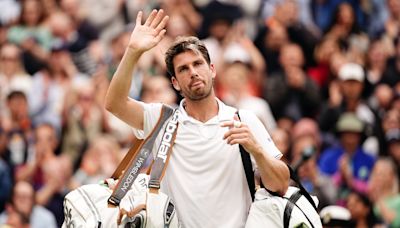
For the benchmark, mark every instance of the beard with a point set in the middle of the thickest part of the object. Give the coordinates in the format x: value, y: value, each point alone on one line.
x: 199, y: 93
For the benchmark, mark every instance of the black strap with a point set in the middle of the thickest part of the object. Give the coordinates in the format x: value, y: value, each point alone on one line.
x: 303, y: 191
x: 289, y: 208
x: 248, y: 168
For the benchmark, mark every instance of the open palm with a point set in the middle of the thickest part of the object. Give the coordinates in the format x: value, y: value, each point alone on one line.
x: 146, y: 36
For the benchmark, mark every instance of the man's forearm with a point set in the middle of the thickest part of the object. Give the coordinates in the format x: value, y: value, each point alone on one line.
x: 118, y: 90
x: 274, y: 173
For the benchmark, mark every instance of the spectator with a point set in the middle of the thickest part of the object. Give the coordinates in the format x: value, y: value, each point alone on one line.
x: 68, y: 38
x: 5, y: 183
x: 393, y: 141
x: 85, y: 120
x: 50, y: 87
x: 82, y: 24
x: 283, y: 142
x: 12, y: 73
x: 236, y: 81
x: 292, y: 93
x: 44, y: 149
x: 31, y: 35
x: 383, y: 190
x: 346, y: 96
x: 23, y: 202
x: 323, y: 54
x: 376, y: 59
x: 158, y: 89
x: 18, y: 129
x: 347, y: 163
x: 361, y: 210
x: 287, y: 14
x: 392, y: 72
x: 109, y: 22
x: 304, y: 156
x: 98, y: 162
x: 56, y: 175
x: 390, y: 123
x: 269, y: 40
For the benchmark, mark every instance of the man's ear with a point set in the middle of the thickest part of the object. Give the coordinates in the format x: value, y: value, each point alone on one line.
x: 175, y: 84
x: 213, y: 71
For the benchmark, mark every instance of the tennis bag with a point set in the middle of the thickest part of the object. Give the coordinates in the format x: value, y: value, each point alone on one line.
x: 129, y: 198
x: 296, y: 209
x: 291, y: 210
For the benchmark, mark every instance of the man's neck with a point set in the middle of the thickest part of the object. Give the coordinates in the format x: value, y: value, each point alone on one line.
x: 202, y: 110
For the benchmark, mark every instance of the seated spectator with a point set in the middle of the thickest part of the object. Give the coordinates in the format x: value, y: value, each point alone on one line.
x: 158, y: 89
x: 44, y: 149
x: 12, y: 73
x: 383, y: 190
x: 346, y: 96
x: 5, y: 183
x: 98, y: 162
x: 56, y: 174
x: 17, y: 128
x: 361, y: 210
x: 237, y: 92
x: 292, y: 92
x: 282, y: 141
x: 85, y: 120
x: 347, y: 163
x: 23, y: 202
x: 393, y: 142
x: 304, y: 153
x: 31, y: 35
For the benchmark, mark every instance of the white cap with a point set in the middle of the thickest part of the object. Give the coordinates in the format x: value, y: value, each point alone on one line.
x: 334, y: 212
x: 236, y: 53
x: 351, y: 71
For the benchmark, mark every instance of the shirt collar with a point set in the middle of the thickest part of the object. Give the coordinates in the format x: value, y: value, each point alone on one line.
x: 223, y: 114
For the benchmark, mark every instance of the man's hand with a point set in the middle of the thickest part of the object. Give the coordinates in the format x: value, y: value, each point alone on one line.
x: 240, y: 133
x: 146, y: 36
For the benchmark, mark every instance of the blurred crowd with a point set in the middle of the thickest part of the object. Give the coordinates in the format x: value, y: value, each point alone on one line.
x: 322, y: 75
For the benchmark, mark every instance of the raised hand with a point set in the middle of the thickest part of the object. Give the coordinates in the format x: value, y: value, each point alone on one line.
x: 146, y: 36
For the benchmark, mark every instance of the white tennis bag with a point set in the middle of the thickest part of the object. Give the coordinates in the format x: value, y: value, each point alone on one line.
x: 134, y: 200
x: 291, y: 210
x: 87, y: 207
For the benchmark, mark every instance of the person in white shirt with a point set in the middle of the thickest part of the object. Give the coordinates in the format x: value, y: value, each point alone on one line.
x: 205, y: 175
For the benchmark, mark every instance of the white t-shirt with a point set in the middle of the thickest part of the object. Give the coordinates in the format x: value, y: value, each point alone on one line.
x: 205, y: 175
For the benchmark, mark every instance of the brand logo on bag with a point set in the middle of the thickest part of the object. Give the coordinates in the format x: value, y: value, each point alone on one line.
x: 131, y: 177
x: 167, y: 137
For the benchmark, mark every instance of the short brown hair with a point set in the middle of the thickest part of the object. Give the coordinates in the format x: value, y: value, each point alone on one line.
x: 183, y: 44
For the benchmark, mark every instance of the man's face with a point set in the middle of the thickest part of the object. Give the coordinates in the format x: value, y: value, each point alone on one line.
x: 352, y: 89
x: 23, y: 198
x: 193, y: 76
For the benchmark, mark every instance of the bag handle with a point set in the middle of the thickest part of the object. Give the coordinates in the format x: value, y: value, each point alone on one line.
x: 135, y: 160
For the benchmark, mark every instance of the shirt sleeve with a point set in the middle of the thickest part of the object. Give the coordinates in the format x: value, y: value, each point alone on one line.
x: 260, y: 133
x: 151, y: 115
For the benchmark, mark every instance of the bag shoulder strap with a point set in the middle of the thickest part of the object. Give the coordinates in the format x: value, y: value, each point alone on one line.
x: 248, y: 168
x: 160, y: 162
x: 135, y: 159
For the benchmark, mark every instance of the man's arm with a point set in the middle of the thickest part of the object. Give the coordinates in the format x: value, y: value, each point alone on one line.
x: 274, y: 172
x: 144, y: 37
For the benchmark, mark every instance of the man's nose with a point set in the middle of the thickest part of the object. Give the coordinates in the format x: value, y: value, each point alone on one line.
x: 193, y: 72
